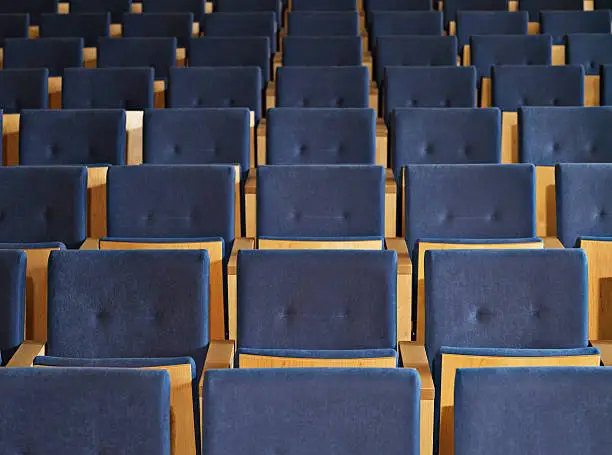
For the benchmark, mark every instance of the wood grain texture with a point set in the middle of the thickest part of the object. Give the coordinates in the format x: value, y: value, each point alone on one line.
x: 592, y: 93
x: 390, y: 204
x: 546, y: 210
x: 599, y: 258
x: 262, y: 149
x: 36, y: 294
x: 159, y: 94
x: 558, y: 54
x: 90, y: 56
x: 271, y: 95
x: 250, y: 201
x: 10, y: 139
x: 134, y: 122
x: 533, y: 28
x: 467, y: 55
x: 485, y: 92
x: 382, y: 145
x: 605, y: 347
x: 96, y: 201
x: 261, y: 361
x: 55, y: 92
x: 26, y: 353
x: 232, y: 285
x: 510, y: 137
x: 404, y: 288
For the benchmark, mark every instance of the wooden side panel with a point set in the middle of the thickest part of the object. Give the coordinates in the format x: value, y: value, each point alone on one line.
x: 546, y: 215
x: 63, y: 8
x: 232, y: 286
x: 10, y: 139
x: 373, y: 98
x: 382, y: 142
x: 159, y: 94
x: 599, y: 257
x: 268, y: 244
x: 558, y: 54
x: 250, y: 201
x: 509, y: 137
x: 261, y: 143
x: 533, y: 28
x: 55, y: 92
x: 36, y: 294
x: 390, y: 204
x: 134, y: 121
x: 252, y: 139
x: 270, y: 95
x: 261, y: 361
x: 485, y: 92
x: 96, y: 201
x: 404, y: 288
x: 592, y: 93
x: 90, y: 57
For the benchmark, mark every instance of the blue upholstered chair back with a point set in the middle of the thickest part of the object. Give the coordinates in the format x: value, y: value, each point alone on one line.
x: 248, y: 6
x: 429, y: 87
x: 323, y: 86
x: 55, y: 54
x: 196, y: 7
x: 325, y: 23
x: 321, y: 136
x: 535, y: 7
x: 242, y: 24
x: 397, y: 5
x: 389, y: 23
x: 322, y: 51
x: 490, y: 23
x: 262, y: 410
x: 216, y: 87
x: 13, y: 26
x: 548, y: 136
x: 324, y: 5
x: 89, y: 26
x: 603, y: 4
x: 158, y: 53
x: 451, y: 7
x: 197, y: 136
x: 317, y: 300
x: 43, y: 204
x: 32, y: 7
x: 116, y: 8
x: 558, y: 24
x: 23, y: 89
x: 471, y: 135
x: 559, y: 411
x: 534, y: 85
x: 605, y: 85
x: 512, y: 299
x: 589, y: 50
x: 179, y: 25
x: 320, y: 201
x: 231, y: 51
x: 108, y: 88
x: 414, y: 51
x: 177, y: 201
x: 83, y: 137
x: 583, y: 201
x: 12, y: 301
x: 472, y: 201
x: 487, y: 51
x: 136, y: 304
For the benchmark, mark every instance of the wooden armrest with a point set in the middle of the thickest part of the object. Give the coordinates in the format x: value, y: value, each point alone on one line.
x: 90, y: 243
x: 552, y: 242
x: 239, y: 244
x: 605, y: 347
x: 25, y: 355
x: 250, y: 202
x: 398, y: 244
x: 220, y: 355
x: 390, y: 204
x: 414, y: 356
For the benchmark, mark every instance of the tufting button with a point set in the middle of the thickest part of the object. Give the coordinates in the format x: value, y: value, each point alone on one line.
x: 428, y: 150
x: 339, y: 102
x: 555, y: 147
x: 176, y: 150
x: 346, y: 216
x: 555, y: 102
x: 302, y: 149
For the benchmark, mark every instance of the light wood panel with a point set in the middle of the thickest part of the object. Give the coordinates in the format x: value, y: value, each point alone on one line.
x: 271, y: 94
x: 26, y: 353
x: 262, y: 361
x: 558, y: 54
x: 599, y: 257
x: 232, y: 285
x: 96, y: 201
x: 159, y: 94
x: 134, y: 121
x: 270, y: 244
x: 90, y: 57
x: 486, y: 95
x: 55, y: 92
x: 592, y: 90
x: 404, y: 288
x: 510, y: 137
x: 36, y: 293
x: 605, y: 347
x: 10, y: 139
x: 546, y: 216
x: 390, y: 204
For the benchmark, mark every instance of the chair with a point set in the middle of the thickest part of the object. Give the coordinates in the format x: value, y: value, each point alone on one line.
x: 373, y: 6
x: 55, y: 54
x: 559, y: 24
x: 196, y: 7
x: 548, y: 136
x: 94, y: 397
x: 451, y: 7
x: 260, y: 24
x: 318, y: 406
x: 89, y: 26
x: 605, y: 97
x: 323, y: 23
x: 247, y: 6
x: 592, y: 51
x: 535, y: 7
x: 347, y: 86
x: 13, y: 26
x: 116, y: 8
x: 323, y: 5
x: 35, y: 8
x: 394, y: 23
x: 322, y: 51
x: 531, y: 85
x: 160, y: 25
x: 12, y: 302
x: 470, y: 23
x: 428, y: 87
x: 23, y: 89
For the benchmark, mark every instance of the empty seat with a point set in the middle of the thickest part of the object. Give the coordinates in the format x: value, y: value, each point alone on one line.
x: 414, y: 51
x: 196, y: 7
x: 23, y: 89
x: 389, y: 23
x: 108, y: 88
x: 35, y: 8
x: 535, y: 7
x: 323, y: 23
x: 322, y: 51
x: 216, y: 87
x: 232, y: 51
x: 116, y: 8
x: 605, y: 96
x: 55, y: 54
x: 323, y: 5
x: 248, y: 6
x: 320, y: 136
x: 12, y: 302
x: 158, y: 53
x: 451, y: 7
x: 550, y: 399
x: 397, y: 5
x: 178, y: 25
x: 323, y: 87
x: 590, y: 51
x: 94, y: 397
x: 13, y: 26
x: 471, y: 23
x: 262, y: 24
x: 558, y: 24
x: 89, y: 26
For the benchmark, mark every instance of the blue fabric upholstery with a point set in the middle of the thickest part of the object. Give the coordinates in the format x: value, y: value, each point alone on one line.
x: 548, y: 136
x: 603, y: 4
x: 323, y: 5
x: 13, y: 26
x: 325, y: 23
x: 535, y: 7
x: 158, y: 53
x: 561, y: 411
x: 471, y: 23
x: 397, y: 5
x: 31, y: 246
x: 451, y: 7
x: 108, y: 88
x: 43, y: 204
x: 55, y: 54
x: 605, y: 85
x: 177, y: 201
x: 197, y: 136
x: 231, y: 51
x: 583, y: 202
x: 320, y: 201
x: 40, y: 397
x: 414, y: 51
x: 429, y: 87
x: 321, y: 354
x: 489, y: 50
x: 322, y: 51
x: 248, y: 6
x: 317, y: 300
x: 473, y: 201
x: 216, y: 87
x: 23, y: 89
x: 196, y: 7
x: 355, y: 411
x: 32, y: 7
x: 179, y: 25
x: 89, y: 26
x: 115, y: 304
x: 262, y: 24
x: 12, y: 301
x: 534, y: 85
x: 116, y: 8
x: 589, y: 50
x: 323, y: 87
x: 389, y: 23
x: 518, y: 352
x: 471, y: 135
x: 562, y: 23
x: 91, y: 137
x: 321, y: 136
